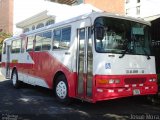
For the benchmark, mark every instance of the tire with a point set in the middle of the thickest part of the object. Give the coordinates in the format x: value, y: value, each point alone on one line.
x: 61, y: 90
x: 14, y: 78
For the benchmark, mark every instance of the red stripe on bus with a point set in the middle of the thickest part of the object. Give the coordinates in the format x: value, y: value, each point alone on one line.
x: 46, y: 66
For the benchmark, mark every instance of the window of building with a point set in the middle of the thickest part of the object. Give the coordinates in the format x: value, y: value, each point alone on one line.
x: 138, y: 10
x: 30, y: 43
x: 26, y: 30
x: 49, y: 22
x: 40, y: 25
x: 16, y: 46
x: 127, y: 11
x: 138, y: 1
x: 77, y: 2
x: 62, y: 38
x: 127, y: 1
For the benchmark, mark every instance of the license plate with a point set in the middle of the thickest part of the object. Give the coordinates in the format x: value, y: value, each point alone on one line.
x: 136, y: 92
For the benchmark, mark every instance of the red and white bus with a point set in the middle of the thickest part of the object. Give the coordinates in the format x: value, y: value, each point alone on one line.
x: 93, y: 57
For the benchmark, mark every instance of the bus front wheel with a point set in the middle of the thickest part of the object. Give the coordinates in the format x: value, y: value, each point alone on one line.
x: 14, y: 78
x: 61, y: 90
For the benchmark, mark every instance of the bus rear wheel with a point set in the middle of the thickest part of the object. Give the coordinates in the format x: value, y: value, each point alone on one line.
x: 14, y: 78
x: 61, y: 90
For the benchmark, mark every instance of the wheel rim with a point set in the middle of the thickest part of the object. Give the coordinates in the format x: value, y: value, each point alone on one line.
x: 61, y: 90
x: 14, y: 78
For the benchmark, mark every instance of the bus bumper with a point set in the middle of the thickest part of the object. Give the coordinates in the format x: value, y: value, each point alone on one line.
x: 112, y: 91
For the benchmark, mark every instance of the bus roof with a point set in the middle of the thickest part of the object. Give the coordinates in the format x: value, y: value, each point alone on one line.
x: 92, y: 15
x: 107, y: 14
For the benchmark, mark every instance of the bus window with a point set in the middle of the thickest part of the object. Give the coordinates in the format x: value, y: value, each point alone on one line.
x: 62, y: 38
x: 66, y: 36
x: 56, y: 38
x: 4, y: 48
x: 22, y: 45
x: 16, y: 45
x: 46, y: 42
x: 38, y: 44
x: 30, y: 43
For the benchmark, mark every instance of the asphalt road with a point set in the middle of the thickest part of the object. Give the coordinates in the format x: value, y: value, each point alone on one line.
x: 36, y: 103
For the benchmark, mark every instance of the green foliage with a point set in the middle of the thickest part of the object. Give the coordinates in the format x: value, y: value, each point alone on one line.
x: 3, y: 36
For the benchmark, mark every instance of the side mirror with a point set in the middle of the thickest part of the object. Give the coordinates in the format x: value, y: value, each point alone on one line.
x: 99, y: 33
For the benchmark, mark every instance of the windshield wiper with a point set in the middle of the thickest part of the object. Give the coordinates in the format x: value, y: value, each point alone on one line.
x: 125, y: 51
x: 123, y: 54
x: 148, y: 57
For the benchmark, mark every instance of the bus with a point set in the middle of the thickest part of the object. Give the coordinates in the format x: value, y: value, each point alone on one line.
x: 92, y: 57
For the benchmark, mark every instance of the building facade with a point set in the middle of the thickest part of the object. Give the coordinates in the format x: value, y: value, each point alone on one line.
x: 6, y: 16
x: 68, y: 2
x: 24, y: 9
x: 113, y: 6
x: 142, y: 8
x: 54, y: 13
x: 35, y: 22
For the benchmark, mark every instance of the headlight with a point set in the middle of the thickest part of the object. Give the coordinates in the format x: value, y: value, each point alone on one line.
x: 152, y: 80
x: 111, y: 81
x: 108, y: 81
x: 117, y: 81
x: 114, y: 81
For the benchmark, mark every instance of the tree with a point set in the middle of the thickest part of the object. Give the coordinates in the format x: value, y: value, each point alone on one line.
x: 3, y: 36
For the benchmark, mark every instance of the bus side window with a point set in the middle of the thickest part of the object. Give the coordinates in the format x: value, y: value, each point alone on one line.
x: 38, y: 42
x: 4, y: 48
x: 22, y: 45
x: 56, y: 38
x: 61, y: 38
x: 13, y: 46
x: 16, y: 45
x: 66, y: 37
x: 30, y: 43
x: 46, y: 42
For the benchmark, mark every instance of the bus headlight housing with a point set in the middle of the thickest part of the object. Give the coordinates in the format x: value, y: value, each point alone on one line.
x: 108, y: 81
x: 111, y: 81
x: 117, y: 81
x: 152, y: 80
x: 114, y: 81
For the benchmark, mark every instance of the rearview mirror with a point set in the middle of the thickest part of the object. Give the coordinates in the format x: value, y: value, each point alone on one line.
x: 99, y: 33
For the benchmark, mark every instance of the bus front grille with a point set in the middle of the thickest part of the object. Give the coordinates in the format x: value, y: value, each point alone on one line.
x: 134, y: 80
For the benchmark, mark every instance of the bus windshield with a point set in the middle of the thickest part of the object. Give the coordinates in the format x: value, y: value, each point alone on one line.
x: 121, y: 36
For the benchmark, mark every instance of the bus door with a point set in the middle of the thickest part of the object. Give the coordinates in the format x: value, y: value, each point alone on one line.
x: 8, y: 61
x: 84, y: 63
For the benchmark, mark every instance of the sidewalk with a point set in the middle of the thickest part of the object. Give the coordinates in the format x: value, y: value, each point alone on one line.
x: 2, y: 78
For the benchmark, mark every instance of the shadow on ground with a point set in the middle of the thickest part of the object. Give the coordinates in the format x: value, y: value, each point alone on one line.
x: 32, y: 103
